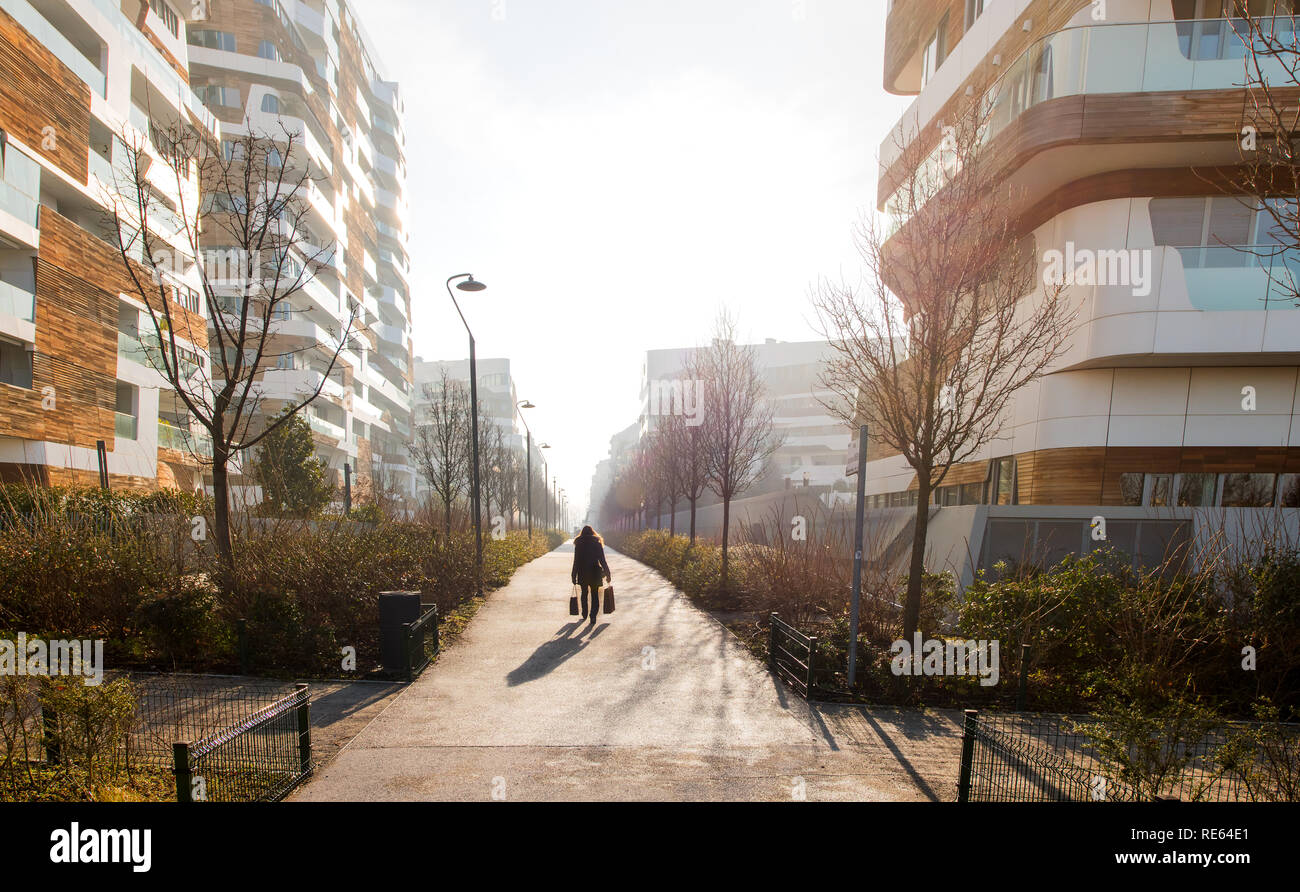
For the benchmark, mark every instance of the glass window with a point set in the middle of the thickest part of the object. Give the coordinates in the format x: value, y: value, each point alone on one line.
x: 1248, y: 490
x: 972, y: 493
x: 213, y: 40
x: 1230, y: 221
x: 1179, y: 222
x: 15, y: 365
x: 1196, y: 490
x: 1288, y: 491
x: 271, y: 104
x: 168, y: 16
x: 1162, y: 486
x: 268, y: 50
x: 1003, y: 482
x: 1130, y: 489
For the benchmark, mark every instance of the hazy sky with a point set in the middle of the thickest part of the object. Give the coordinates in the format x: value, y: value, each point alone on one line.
x: 618, y: 170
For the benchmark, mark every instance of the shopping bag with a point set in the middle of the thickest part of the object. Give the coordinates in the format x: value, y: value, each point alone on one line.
x: 609, y: 599
x: 573, y: 602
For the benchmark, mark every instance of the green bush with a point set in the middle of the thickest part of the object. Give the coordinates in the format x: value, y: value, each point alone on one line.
x: 304, y: 588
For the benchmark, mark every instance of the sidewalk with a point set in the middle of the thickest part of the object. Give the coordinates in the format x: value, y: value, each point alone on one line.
x: 658, y: 701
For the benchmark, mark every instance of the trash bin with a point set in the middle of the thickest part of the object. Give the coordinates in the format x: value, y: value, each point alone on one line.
x: 395, y: 610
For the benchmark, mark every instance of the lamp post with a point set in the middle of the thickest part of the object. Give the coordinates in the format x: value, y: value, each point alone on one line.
x: 528, y: 455
x: 471, y: 285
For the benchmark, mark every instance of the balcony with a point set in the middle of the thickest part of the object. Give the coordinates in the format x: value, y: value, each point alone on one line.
x: 326, y: 428
x: 16, y: 301
x: 1223, y: 277
x: 1132, y: 57
x: 172, y: 437
x: 19, y: 187
x: 124, y: 426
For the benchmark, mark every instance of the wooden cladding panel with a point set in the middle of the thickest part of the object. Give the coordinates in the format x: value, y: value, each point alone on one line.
x: 38, y: 91
x: 1091, y: 475
x: 80, y: 254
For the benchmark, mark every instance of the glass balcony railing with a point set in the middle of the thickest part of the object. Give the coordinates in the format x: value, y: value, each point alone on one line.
x: 1246, y: 277
x: 15, y: 301
x: 172, y: 437
x: 1128, y: 57
x: 124, y: 426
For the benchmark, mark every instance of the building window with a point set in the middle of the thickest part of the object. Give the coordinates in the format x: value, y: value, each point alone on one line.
x: 268, y: 50
x: 15, y: 365
x: 216, y: 95
x: 974, y: 8
x: 271, y: 104
x: 1196, y: 490
x: 125, y: 421
x: 213, y: 40
x: 1247, y: 490
x: 1130, y: 488
x: 168, y: 16
x: 1002, y: 482
x: 936, y: 50
x: 1288, y: 491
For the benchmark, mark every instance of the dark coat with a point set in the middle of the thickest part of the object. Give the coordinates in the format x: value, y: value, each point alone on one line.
x: 588, y: 561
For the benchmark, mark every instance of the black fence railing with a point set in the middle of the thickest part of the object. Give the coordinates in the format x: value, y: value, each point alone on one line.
x: 260, y: 759
x: 1019, y: 757
x: 174, y: 707
x: 421, y: 641
x: 792, y: 656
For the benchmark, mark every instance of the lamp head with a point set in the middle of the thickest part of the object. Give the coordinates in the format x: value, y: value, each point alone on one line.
x: 526, y: 405
x: 470, y: 285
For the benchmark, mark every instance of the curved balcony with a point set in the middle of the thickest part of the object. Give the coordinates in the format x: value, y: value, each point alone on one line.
x: 1097, y: 59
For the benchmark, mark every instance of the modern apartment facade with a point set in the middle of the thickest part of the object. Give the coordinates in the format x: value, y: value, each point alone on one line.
x: 75, y: 75
x: 308, y: 67
x: 1175, y: 406
x: 813, y: 440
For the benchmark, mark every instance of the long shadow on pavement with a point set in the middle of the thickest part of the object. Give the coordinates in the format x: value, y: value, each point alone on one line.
x: 549, y: 655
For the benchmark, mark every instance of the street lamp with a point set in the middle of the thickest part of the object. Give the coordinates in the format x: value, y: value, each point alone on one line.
x: 529, y: 457
x: 471, y: 285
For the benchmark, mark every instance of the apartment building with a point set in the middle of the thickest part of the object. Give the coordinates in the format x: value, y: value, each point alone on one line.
x: 814, y: 442
x: 78, y: 394
x: 498, y: 400
x: 1175, y: 406
x: 308, y: 67
x: 76, y: 77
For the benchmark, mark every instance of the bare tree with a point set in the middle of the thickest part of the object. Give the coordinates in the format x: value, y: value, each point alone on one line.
x: 1269, y: 172
x: 248, y: 244
x: 688, y: 474
x: 934, y: 345
x: 738, y: 434
x: 441, y: 447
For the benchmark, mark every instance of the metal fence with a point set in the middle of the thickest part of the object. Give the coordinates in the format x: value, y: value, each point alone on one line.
x: 259, y: 759
x: 1019, y: 757
x: 421, y: 641
x: 792, y: 656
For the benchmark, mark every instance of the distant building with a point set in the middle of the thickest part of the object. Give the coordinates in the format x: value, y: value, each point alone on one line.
x: 815, y: 441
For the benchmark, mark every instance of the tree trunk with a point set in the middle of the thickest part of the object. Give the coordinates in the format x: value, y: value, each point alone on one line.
x: 693, y: 519
x: 447, y: 517
x: 672, y: 517
x: 221, y: 525
x: 916, y: 570
x: 726, y: 536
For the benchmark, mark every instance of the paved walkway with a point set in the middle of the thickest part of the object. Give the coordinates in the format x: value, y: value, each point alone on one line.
x: 657, y: 702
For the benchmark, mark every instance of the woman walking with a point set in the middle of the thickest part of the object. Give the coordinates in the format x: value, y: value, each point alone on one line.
x: 589, y: 566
